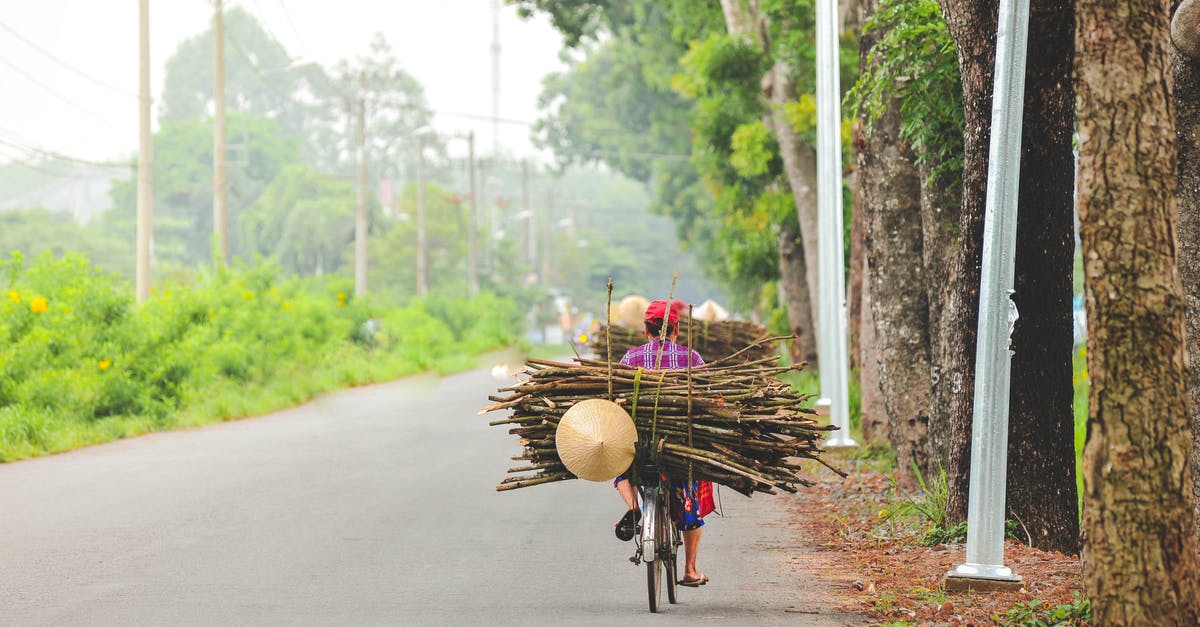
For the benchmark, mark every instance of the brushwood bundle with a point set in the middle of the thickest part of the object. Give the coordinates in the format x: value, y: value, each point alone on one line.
x: 747, y: 430
x: 712, y: 340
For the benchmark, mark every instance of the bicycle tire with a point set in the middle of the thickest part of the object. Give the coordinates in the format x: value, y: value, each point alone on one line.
x: 669, y: 551
x: 654, y: 568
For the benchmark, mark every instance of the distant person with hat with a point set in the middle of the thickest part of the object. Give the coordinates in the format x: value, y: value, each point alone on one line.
x: 689, y: 503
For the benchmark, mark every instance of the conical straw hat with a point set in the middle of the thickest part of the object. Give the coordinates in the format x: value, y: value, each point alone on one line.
x: 710, y: 311
x: 595, y: 440
x: 632, y: 310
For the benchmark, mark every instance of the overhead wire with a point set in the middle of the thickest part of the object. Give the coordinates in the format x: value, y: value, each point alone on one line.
x: 64, y: 64
x: 55, y: 93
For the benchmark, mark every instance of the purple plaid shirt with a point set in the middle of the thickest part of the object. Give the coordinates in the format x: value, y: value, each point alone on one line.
x: 674, y: 356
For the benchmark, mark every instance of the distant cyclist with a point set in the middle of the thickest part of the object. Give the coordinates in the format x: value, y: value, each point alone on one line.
x: 689, y: 503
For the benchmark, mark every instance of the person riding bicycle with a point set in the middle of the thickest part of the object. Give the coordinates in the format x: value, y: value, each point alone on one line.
x: 689, y: 503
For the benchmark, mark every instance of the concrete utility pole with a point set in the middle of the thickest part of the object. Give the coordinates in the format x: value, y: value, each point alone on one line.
x: 473, y: 222
x: 831, y: 343
x: 495, y: 78
x: 422, y: 266
x: 360, y: 211
x: 220, y: 211
x: 531, y: 218
x: 984, y: 567
x: 145, y: 188
x: 547, y: 230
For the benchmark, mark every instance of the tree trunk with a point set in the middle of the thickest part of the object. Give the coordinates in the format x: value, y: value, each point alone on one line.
x: 800, y: 165
x: 1187, y: 131
x: 795, y: 293
x: 890, y: 190
x: 941, y: 205
x: 972, y: 24
x: 854, y: 287
x: 1041, y: 487
x: 1140, y: 559
x: 892, y: 204
x: 874, y: 416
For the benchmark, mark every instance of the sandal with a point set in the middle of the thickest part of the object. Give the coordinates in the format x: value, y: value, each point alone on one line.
x: 694, y: 583
x: 627, y: 526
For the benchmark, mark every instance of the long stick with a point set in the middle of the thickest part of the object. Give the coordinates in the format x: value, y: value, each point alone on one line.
x: 608, y: 337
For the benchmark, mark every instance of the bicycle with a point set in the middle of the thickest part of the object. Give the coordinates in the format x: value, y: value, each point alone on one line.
x: 658, y: 540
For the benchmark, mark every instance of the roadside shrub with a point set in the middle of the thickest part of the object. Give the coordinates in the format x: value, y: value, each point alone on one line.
x: 81, y: 362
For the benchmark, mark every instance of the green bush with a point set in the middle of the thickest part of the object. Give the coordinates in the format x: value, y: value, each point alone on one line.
x: 80, y: 362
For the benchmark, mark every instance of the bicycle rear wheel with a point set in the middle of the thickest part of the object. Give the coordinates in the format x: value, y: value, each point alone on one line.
x: 654, y: 566
x: 670, y: 548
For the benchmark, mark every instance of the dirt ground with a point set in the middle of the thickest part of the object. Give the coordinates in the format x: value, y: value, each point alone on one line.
x: 878, y: 568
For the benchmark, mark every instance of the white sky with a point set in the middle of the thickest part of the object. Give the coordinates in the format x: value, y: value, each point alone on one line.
x: 445, y: 44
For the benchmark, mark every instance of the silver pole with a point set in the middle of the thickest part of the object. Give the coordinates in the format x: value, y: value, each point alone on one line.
x: 989, y: 430
x: 831, y: 342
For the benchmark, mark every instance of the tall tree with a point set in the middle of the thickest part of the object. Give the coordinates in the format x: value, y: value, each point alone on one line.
x: 1185, y: 33
x: 889, y: 185
x: 1140, y: 557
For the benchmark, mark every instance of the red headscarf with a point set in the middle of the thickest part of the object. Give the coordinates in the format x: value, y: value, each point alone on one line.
x: 658, y: 309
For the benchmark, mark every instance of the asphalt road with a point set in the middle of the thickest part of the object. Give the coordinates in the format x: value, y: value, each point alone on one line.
x: 370, y: 506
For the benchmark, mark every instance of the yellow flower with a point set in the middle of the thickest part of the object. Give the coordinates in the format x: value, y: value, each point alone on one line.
x: 883, y: 513
x: 247, y: 295
x: 66, y: 309
x: 166, y: 292
x: 212, y: 313
x: 14, y: 296
x: 272, y: 291
x: 38, y: 305
x: 287, y: 304
x: 104, y: 364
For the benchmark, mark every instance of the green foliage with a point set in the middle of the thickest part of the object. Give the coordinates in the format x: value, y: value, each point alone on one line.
x: 927, y: 506
x: 81, y: 363
x: 915, y: 61
x: 1038, y: 613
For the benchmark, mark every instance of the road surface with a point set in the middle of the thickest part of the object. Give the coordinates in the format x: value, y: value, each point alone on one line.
x: 370, y: 506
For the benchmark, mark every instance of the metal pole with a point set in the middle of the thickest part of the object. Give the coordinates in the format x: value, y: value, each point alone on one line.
x: 220, y: 211
x: 360, y: 211
x: 473, y: 223
x: 422, y: 270
x: 145, y: 188
x: 495, y: 78
x: 989, y: 429
x: 832, y: 340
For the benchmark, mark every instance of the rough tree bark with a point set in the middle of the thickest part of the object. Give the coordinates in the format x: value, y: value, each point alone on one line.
x: 854, y: 287
x: 1187, y: 132
x: 874, y: 415
x: 941, y: 204
x: 1041, y: 487
x: 1140, y: 559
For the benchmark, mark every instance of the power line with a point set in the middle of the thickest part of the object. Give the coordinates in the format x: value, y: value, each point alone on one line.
x: 299, y: 39
x: 54, y: 93
x: 29, y: 149
x: 64, y: 64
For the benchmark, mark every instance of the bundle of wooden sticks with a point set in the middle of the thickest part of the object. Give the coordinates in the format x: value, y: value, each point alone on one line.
x: 731, y: 423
